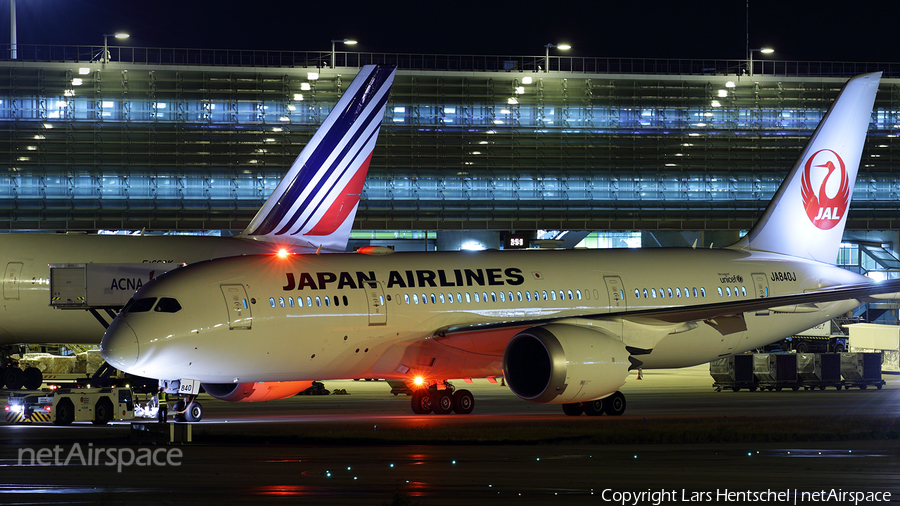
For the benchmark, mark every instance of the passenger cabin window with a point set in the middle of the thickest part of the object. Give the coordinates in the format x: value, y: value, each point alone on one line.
x: 167, y: 305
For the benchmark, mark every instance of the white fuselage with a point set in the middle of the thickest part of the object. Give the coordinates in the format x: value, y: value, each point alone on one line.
x: 449, y: 315
x: 26, y: 316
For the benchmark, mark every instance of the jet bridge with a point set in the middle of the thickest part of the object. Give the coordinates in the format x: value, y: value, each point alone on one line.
x: 96, y: 287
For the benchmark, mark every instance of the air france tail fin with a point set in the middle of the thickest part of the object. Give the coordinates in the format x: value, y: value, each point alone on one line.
x: 316, y: 202
x: 806, y: 217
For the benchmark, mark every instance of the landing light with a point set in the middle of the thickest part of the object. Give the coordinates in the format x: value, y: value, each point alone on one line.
x: 419, y: 381
x: 283, y: 253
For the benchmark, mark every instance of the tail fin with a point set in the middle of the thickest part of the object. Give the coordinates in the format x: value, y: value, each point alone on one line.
x: 316, y: 202
x: 806, y: 217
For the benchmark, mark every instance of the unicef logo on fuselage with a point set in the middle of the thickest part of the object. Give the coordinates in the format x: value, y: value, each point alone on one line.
x: 826, y: 206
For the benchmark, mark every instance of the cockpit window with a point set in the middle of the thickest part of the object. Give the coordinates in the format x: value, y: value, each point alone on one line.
x: 167, y: 305
x: 141, y: 305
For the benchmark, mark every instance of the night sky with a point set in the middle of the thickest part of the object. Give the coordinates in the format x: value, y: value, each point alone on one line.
x: 696, y: 29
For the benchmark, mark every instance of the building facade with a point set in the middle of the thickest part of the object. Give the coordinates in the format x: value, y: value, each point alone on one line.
x: 199, y: 145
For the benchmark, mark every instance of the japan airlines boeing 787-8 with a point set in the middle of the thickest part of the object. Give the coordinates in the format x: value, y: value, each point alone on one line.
x: 562, y: 327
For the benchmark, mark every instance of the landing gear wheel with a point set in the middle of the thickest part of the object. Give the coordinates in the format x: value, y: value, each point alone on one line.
x: 32, y: 378
x: 176, y: 409
x: 463, y: 402
x: 65, y: 413
x: 593, y: 408
x: 614, y: 405
x: 421, y: 402
x: 194, y: 412
x: 573, y: 409
x: 103, y: 412
x: 441, y: 402
x: 13, y: 377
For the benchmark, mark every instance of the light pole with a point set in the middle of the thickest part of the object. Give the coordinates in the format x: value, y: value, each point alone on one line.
x: 348, y: 42
x: 763, y: 50
x: 547, y: 53
x: 118, y: 35
x: 12, y: 29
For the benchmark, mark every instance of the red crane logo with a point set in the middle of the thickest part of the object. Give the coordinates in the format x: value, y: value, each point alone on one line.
x: 825, y: 212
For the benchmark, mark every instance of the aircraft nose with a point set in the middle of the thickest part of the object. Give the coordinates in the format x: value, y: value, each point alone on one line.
x: 120, y: 345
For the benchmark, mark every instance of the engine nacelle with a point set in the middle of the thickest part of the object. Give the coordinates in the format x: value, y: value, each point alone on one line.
x: 561, y: 364
x: 255, y: 392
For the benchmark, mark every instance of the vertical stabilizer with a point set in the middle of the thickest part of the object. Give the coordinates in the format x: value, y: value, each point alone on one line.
x: 806, y: 217
x: 315, y: 204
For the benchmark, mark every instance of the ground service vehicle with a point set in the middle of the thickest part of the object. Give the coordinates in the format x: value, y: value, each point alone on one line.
x: 64, y: 406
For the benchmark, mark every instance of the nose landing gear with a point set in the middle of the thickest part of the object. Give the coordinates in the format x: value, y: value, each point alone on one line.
x: 186, y: 408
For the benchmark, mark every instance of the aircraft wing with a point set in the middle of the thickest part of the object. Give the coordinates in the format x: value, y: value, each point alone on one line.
x: 727, y: 316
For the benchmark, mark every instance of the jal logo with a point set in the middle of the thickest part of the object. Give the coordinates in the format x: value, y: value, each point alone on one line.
x: 827, y: 204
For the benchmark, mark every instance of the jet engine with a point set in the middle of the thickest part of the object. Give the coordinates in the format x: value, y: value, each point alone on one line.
x: 255, y: 392
x: 561, y: 364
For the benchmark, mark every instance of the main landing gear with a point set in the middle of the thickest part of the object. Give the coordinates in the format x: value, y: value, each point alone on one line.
x: 613, y: 405
x: 442, y: 398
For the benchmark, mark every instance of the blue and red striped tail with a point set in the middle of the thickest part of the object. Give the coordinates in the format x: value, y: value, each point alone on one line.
x: 315, y: 204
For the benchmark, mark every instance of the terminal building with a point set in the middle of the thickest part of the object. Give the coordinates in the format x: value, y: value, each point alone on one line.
x: 473, y: 150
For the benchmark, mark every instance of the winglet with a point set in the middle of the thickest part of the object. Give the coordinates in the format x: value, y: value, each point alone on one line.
x: 316, y: 202
x: 806, y: 217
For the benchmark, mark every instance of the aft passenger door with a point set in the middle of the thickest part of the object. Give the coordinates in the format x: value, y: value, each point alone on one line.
x: 11, y: 280
x: 761, y: 284
x: 239, y: 316
x: 616, y: 293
